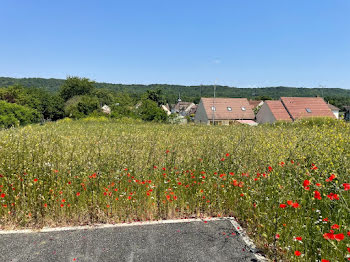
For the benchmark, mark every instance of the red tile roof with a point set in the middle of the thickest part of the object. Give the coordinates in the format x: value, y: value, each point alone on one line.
x: 222, y: 113
x: 254, y: 103
x: 333, y: 108
x: 278, y: 110
x: 298, y: 106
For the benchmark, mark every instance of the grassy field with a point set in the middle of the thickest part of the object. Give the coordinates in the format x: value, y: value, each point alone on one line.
x: 287, y: 184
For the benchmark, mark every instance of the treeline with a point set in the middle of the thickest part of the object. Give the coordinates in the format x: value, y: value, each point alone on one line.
x: 336, y: 96
x: 76, y: 98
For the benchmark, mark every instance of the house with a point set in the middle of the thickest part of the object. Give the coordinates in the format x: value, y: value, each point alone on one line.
x: 347, y: 113
x: 272, y: 111
x: 193, y: 110
x: 223, y: 111
x: 335, y: 110
x: 302, y: 107
x: 106, y: 109
x: 183, y: 108
x: 166, y: 108
x: 293, y: 108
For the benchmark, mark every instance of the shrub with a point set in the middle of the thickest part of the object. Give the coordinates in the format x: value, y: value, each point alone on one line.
x: 81, y: 106
x: 149, y: 111
x: 14, y: 115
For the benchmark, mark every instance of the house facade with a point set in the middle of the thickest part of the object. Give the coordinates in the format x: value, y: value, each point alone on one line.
x: 223, y: 111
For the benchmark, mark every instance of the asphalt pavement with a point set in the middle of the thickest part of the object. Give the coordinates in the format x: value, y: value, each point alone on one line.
x: 187, y: 241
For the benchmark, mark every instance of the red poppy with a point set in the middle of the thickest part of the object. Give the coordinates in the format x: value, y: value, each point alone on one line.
x: 3, y: 195
x: 270, y: 168
x: 283, y: 205
x: 339, y: 237
x: 295, y: 205
x: 318, y: 184
x: 35, y: 180
x: 330, y: 178
x: 227, y: 154
x: 290, y: 202
x: 78, y: 193
x: 325, y: 219
x: 348, y: 249
x: 348, y: 233
x: 63, y: 200
x: 306, y: 183
x: 277, y: 236
x: 299, y: 238
x: 222, y: 159
x: 328, y: 236
x: 45, y: 205
x: 324, y: 260
x: 317, y: 195
x: 335, y: 226
x: 333, y: 196
x: 62, y: 205
x: 297, y: 253
x: 346, y: 186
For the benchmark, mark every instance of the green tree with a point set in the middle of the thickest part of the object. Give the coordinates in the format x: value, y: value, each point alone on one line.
x: 156, y: 96
x: 14, y: 115
x: 81, y: 106
x: 76, y: 86
x: 150, y: 111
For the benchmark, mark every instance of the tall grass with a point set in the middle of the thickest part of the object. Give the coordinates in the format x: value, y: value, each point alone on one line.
x: 87, y: 172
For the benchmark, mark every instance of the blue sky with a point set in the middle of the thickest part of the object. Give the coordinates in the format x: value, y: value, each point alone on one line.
x: 244, y: 43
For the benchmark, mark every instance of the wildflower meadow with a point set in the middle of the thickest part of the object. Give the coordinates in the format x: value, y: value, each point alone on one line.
x: 287, y: 184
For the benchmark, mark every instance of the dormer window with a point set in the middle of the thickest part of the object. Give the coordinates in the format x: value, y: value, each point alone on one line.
x: 213, y: 108
x: 229, y: 108
x: 243, y: 108
x: 308, y: 110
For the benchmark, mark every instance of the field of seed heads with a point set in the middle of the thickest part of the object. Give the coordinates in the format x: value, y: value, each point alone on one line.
x: 287, y: 184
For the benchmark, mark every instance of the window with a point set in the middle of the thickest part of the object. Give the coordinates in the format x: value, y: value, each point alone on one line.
x: 229, y: 108
x: 213, y: 108
x: 308, y: 110
x: 243, y: 108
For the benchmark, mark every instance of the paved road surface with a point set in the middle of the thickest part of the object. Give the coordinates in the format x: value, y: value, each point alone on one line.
x: 187, y: 241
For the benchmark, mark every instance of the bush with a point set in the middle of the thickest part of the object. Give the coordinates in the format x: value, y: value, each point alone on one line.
x: 12, y: 115
x: 81, y: 106
x: 149, y: 111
